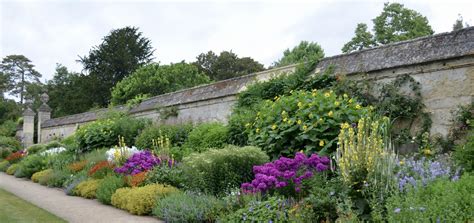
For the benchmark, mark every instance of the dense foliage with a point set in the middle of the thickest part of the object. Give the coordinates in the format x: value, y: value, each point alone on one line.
x: 155, y: 79
x: 302, y: 120
x: 107, y: 188
x: 177, y: 134
x: 304, y: 52
x: 121, y: 53
x: 217, y: 171
x: 207, y: 135
x: 226, y: 65
x: 189, y: 207
x: 395, y: 23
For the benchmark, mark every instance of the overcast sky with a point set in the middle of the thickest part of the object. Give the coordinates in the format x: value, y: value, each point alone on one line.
x: 50, y: 32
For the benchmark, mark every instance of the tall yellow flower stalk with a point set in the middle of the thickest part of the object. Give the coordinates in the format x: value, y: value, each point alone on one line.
x: 365, y: 151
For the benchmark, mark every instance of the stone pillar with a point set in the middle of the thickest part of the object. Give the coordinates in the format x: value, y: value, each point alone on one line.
x: 28, y: 125
x: 44, y: 114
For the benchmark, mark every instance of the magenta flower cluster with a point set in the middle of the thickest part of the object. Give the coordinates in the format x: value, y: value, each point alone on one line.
x: 139, y: 162
x: 285, y: 172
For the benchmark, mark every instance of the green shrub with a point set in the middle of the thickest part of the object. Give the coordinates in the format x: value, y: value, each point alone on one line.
x: 12, y: 169
x: 105, y: 132
x: 181, y: 207
x: 107, y: 188
x: 218, y: 170
x: 237, y: 130
x: 275, y: 209
x: 303, y: 120
x: 4, y: 165
x: 464, y: 154
x: 41, y: 174
x: 8, y: 128
x: 207, y: 135
x: 441, y: 201
x: 164, y: 174
x: 56, y: 179
x: 61, y: 160
x: 69, y: 140
x: 36, y: 148
x: 4, y: 152
x: 176, y: 133
x: 87, y: 188
x: 140, y: 200
x: 9, y: 142
x: 32, y: 164
x: 73, y: 181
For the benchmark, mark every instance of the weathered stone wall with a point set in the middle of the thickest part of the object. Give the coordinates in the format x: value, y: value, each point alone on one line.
x: 443, y: 64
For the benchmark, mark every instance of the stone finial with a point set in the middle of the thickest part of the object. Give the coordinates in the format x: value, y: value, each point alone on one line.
x: 28, y: 111
x: 44, y: 98
x: 44, y: 107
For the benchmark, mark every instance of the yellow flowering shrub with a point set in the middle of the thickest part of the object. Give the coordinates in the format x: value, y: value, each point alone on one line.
x: 140, y: 200
x: 38, y: 175
x: 308, y: 120
x: 87, y: 189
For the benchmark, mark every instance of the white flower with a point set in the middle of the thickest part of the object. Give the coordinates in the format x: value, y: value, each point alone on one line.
x: 53, y: 151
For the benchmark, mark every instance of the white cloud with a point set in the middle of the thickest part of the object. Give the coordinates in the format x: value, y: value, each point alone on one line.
x: 50, y: 32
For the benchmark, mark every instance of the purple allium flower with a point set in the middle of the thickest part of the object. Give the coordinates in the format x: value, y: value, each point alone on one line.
x: 285, y: 171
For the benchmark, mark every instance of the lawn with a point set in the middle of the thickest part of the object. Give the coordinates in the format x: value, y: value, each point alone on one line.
x: 15, y: 209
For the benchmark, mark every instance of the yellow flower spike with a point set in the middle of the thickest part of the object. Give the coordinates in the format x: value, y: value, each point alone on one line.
x: 299, y: 122
x: 321, y: 143
x: 274, y: 127
x: 345, y: 125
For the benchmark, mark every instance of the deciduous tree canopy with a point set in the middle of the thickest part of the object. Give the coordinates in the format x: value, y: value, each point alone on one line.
x: 303, y: 52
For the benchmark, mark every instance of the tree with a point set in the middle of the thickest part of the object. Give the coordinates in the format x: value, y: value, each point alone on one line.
x: 305, y: 51
x: 397, y: 23
x: 69, y: 92
x: 17, y: 72
x: 459, y: 23
x: 9, y: 110
x: 363, y: 39
x: 226, y: 65
x: 155, y: 79
x: 121, y: 53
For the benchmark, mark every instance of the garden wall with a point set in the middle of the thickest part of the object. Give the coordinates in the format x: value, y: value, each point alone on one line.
x: 443, y: 64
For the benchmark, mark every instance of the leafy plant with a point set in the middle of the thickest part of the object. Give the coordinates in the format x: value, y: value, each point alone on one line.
x: 107, y: 187
x: 140, y: 200
x: 441, y: 201
x: 32, y: 164
x: 165, y: 174
x: 217, y: 171
x: 207, y: 135
x: 302, y: 120
x: 274, y: 209
x: 4, y: 164
x: 464, y: 154
x: 188, y: 207
x: 9, y: 142
x: 176, y: 133
x: 101, y: 169
x: 12, y: 169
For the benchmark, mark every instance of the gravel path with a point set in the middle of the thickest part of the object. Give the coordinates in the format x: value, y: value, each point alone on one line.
x: 71, y: 209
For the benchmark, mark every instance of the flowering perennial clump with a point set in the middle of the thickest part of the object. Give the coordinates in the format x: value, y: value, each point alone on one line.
x: 16, y: 156
x: 139, y: 162
x: 421, y: 172
x: 53, y: 151
x: 100, y: 167
x: 119, y: 154
x: 285, y: 172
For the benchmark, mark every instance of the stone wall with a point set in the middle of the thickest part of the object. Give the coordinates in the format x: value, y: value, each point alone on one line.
x: 443, y: 64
